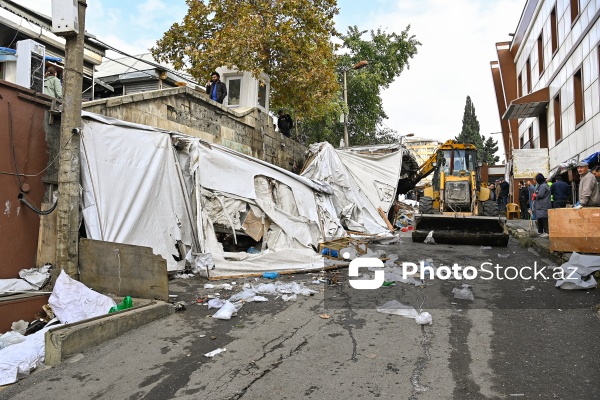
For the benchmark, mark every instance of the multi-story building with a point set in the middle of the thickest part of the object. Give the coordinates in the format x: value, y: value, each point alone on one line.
x: 546, y: 81
x: 421, y: 148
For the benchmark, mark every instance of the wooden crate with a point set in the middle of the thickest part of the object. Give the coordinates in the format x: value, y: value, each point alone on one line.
x: 341, y: 243
x: 574, y: 230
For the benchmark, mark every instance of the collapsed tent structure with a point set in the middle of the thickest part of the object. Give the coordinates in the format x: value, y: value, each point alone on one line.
x: 222, y: 212
x: 366, y: 181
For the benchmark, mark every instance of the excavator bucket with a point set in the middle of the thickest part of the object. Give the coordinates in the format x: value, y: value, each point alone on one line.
x: 461, y: 229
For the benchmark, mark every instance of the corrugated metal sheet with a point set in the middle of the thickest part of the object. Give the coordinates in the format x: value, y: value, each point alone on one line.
x: 138, y: 87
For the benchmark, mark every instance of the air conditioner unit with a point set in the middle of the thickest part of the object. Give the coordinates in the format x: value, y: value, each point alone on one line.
x: 30, y: 65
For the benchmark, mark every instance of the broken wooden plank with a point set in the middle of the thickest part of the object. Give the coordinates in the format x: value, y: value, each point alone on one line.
x: 46, y: 249
x: 387, y: 222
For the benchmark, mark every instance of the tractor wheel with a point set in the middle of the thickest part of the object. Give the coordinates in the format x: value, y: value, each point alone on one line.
x: 490, y: 209
x: 426, y: 205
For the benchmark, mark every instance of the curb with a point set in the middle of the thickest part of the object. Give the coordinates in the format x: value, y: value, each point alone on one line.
x: 68, y: 340
x: 541, y: 244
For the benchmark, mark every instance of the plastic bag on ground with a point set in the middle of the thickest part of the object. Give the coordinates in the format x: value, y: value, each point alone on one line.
x: 429, y: 239
x: 215, y: 303
x: 215, y: 352
x: 575, y: 281
x: 397, y: 308
x: 289, y: 297
x: 424, y: 319
x: 227, y: 310
x: 463, y: 293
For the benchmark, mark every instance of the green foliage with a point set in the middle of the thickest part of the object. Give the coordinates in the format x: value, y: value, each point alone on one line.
x: 289, y: 40
x: 490, y: 147
x: 388, y: 54
x: 470, y: 129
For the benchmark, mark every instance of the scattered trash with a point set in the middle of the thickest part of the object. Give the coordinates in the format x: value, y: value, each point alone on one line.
x: 123, y: 305
x: 179, y: 306
x: 429, y: 239
x: 388, y: 283
x: 324, y: 316
x: 575, y: 281
x: 289, y: 297
x: 36, y: 277
x: 19, y: 327
x: 215, y: 303
x: 213, y: 337
x: 183, y: 276
x: 397, y: 308
x: 227, y: 310
x: 529, y: 288
x: 463, y: 293
x: 271, y: 275
x: 209, y: 286
x: 215, y: 352
x: 424, y: 319
x: 504, y: 255
x: 10, y: 338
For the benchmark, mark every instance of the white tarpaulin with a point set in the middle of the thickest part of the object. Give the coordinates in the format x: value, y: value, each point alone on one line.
x: 148, y: 187
x: 132, y: 192
x: 354, y: 207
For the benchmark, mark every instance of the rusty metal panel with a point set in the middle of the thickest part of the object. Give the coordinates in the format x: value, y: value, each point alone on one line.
x: 23, y: 148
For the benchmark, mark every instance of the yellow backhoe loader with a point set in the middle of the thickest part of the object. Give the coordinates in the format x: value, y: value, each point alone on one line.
x: 456, y: 206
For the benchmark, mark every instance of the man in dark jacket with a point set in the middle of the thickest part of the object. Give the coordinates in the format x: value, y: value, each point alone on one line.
x: 523, y: 200
x: 542, y: 204
x: 561, y: 192
x: 215, y: 88
x: 504, y: 191
x: 284, y: 123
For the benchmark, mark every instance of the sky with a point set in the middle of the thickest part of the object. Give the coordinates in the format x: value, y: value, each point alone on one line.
x: 458, y: 42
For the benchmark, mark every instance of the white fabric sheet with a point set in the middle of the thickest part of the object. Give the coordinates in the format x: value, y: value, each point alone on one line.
x: 132, y: 192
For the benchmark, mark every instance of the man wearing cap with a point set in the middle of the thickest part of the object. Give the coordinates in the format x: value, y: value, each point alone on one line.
x: 589, y: 194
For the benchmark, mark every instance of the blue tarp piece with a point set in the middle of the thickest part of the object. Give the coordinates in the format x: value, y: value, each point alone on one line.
x: 55, y: 59
x: 593, y: 159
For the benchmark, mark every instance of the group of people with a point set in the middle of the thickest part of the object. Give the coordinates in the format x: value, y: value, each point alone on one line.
x: 544, y: 195
x: 499, y: 192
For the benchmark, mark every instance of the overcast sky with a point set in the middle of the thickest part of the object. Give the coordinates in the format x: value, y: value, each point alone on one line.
x: 428, y: 99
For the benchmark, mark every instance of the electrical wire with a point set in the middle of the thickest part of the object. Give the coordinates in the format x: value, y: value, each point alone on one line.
x: 42, y: 171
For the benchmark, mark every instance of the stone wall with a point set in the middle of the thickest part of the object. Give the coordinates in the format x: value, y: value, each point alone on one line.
x: 184, y: 110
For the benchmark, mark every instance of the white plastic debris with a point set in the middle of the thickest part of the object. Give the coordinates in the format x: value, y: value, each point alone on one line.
x: 429, y: 239
x: 485, y: 248
x: 289, y: 297
x: 260, y: 299
x: 37, y: 277
x: 19, y: 326
x: 215, y: 352
x: 15, y: 285
x: 215, y: 303
x: 574, y: 281
x: 72, y: 301
x: 226, y: 286
x: 463, y: 293
x: 397, y: 308
x: 227, y: 310
x: 584, y: 265
x: 424, y: 318
x: 245, y: 295
x: 209, y: 286
x: 10, y: 338
x: 504, y: 255
x: 529, y: 288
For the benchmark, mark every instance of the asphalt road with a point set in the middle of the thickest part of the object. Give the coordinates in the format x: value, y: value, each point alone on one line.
x: 517, y: 339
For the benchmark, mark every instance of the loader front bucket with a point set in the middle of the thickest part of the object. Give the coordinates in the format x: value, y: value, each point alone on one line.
x: 461, y: 229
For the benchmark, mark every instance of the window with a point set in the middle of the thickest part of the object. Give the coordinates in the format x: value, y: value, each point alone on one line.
x: 520, y: 86
x: 553, y: 31
x: 574, y: 10
x: 578, y: 91
x: 522, y: 144
x: 234, y: 86
x: 528, y: 72
x: 262, y: 94
x: 557, y: 115
x: 543, y: 128
x: 530, y: 133
x: 540, y: 48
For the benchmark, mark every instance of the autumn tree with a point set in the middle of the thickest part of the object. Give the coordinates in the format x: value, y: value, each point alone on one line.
x: 388, y: 54
x: 470, y: 129
x: 288, y: 40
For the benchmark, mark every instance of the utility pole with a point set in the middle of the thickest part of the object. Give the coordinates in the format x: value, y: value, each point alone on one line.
x: 67, y: 238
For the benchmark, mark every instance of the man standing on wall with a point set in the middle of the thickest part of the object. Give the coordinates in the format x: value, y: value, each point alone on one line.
x: 215, y: 88
x: 284, y: 123
x: 52, y: 85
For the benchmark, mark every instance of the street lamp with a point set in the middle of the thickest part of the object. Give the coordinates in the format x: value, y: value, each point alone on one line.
x: 358, y: 65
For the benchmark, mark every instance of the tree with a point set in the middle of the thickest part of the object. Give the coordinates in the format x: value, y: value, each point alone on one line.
x: 388, y: 55
x: 490, y: 147
x: 289, y: 40
x: 470, y: 129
